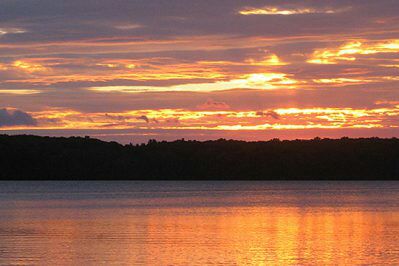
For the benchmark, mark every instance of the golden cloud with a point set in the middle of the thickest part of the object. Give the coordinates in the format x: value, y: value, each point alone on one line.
x: 349, y: 51
x: 29, y: 67
x: 270, y: 60
x: 221, y: 118
x: 286, y: 11
x: 261, y: 81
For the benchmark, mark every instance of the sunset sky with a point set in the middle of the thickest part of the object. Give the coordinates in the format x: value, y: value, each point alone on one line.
x: 199, y: 69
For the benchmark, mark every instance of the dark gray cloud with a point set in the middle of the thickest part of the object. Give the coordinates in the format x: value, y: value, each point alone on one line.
x: 270, y: 113
x: 211, y: 104
x: 144, y: 118
x: 56, y: 20
x: 16, y: 118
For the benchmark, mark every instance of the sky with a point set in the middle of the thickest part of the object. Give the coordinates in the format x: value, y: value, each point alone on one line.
x: 130, y: 71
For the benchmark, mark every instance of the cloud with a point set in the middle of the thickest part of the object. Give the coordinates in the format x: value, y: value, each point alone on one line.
x: 115, y: 117
x: 172, y: 121
x: 270, y: 60
x: 270, y: 113
x: 16, y: 118
x: 29, y: 67
x: 213, y: 105
x: 287, y: 11
x: 144, y: 118
x: 153, y: 71
x: 128, y: 26
x: 147, y: 119
x: 19, y: 92
x: 352, y: 50
x: 260, y: 81
x: 4, y: 31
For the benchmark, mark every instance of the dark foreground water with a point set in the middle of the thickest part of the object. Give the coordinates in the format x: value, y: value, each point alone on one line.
x: 199, y: 223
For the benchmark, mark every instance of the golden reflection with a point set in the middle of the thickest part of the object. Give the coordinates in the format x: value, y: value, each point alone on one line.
x: 252, y: 228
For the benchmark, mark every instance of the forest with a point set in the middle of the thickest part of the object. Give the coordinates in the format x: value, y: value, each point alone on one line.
x: 27, y: 157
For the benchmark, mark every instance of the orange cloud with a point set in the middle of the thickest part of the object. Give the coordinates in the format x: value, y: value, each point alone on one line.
x: 19, y: 92
x: 351, y: 50
x: 29, y: 67
x: 3, y: 67
x: 287, y: 11
x: 261, y: 81
x: 221, y: 118
x: 270, y: 60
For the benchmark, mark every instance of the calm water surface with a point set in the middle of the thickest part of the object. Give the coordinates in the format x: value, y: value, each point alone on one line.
x: 199, y: 223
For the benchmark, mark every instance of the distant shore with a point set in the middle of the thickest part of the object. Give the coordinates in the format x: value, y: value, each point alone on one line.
x: 28, y: 157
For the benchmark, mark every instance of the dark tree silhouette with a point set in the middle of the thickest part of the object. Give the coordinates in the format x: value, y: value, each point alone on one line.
x: 33, y: 157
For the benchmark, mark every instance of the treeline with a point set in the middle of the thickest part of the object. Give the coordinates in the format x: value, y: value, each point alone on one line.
x: 32, y: 157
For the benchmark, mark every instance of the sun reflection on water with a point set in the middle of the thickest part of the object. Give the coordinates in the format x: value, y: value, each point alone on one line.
x: 192, y: 228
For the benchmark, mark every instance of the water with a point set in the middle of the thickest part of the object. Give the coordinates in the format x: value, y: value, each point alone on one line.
x: 199, y: 223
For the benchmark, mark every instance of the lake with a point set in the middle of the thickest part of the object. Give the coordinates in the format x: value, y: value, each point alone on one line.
x: 199, y: 223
